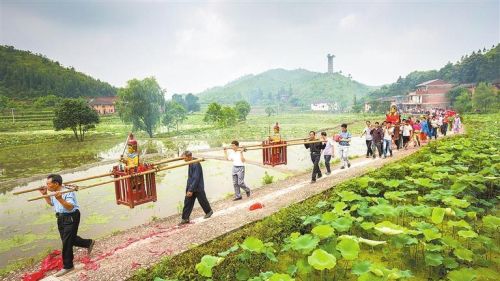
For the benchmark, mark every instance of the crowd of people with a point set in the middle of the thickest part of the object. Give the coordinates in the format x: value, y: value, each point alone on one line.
x: 381, y: 138
x: 410, y: 132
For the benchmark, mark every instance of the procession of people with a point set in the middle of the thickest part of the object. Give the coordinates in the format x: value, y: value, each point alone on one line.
x: 381, y: 138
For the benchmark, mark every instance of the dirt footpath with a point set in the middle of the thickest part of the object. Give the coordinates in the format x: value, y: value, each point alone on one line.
x: 118, y: 256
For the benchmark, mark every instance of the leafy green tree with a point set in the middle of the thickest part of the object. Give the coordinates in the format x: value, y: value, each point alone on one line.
x: 463, y: 102
x: 380, y: 106
x: 485, y: 98
x: 222, y: 116
x: 270, y: 111
x: 229, y: 116
x: 242, y: 109
x: 141, y: 103
x: 4, y: 102
x: 213, y: 114
x: 357, y: 106
x: 174, y: 114
x: 77, y: 115
x: 192, y: 104
x: 453, y: 94
x: 47, y: 101
x: 178, y: 98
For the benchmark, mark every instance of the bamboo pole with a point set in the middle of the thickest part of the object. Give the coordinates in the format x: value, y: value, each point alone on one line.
x: 68, y: 182
x: 121, y: 178
x: 246, y: 147
x: 286, y: 144
x: 126, y: 143
x: 91, y: 177
x: 168, y: 160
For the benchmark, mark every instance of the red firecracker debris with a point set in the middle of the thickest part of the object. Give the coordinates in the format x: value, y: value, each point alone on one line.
x: 53, y: 261
x: 256, y: 206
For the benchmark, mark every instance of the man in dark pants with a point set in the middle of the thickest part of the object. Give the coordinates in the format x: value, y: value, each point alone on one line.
x: 68, y: 220
x: 377, y: 135
x: 315, y: 149
x: 195, y: 188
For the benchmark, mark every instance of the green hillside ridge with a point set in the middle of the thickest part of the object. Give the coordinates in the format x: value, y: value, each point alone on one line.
x: 24, y: 75
x: 480, y: 66
x: 297, y: 87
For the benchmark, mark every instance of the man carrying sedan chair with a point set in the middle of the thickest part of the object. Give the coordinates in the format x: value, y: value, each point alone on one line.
x: 68, y: 220
x: 195, y: 189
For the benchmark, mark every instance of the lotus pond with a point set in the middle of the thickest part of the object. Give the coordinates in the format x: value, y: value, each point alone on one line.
x: 431, y: 216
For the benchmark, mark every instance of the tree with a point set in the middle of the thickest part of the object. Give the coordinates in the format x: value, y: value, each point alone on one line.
x: 221, y: 116
x: 179, y: 99
x: 47, y: 101
x: 485, y: 98
x: 213, y: 114
x: 379, y: 106
x: 453, y: 94
x: 270, y: 111
x: 192, y: 103
x: 4, y: 102
x: 141, y: 103
x: 463, y: 102
x: 174, y: 114
x: 77, y: 115
x: 357, y: 106
x: 242, y: 109
x: 229, y: 116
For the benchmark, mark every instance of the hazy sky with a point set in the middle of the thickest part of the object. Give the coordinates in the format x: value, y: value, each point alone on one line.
x: 191, y: 46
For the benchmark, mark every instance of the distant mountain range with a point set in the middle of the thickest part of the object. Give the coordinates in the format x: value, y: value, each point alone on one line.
x: 297, y: 87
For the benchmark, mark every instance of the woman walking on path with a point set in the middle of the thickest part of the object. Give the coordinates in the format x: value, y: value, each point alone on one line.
x: 457, y: 123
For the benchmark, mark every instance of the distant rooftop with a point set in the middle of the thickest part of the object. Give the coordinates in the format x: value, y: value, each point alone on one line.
x: 103, y: 100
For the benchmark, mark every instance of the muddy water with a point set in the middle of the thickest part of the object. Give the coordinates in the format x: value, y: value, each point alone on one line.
x: 28, y: 228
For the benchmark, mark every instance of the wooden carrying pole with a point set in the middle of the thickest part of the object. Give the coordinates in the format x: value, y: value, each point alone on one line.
x: 168, y: 160
x: 259, y: 146
x: 121, y: 178
x: 67, y: 182
x: 92, y: 177
x: 285, y: 144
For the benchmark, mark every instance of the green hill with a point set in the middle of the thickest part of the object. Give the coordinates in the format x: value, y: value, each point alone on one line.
x: 24, y: 75
x: 294, y: 87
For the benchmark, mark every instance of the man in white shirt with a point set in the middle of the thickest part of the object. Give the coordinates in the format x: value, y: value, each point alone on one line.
x: 328, y: 151
x: 236, y: 155
x: 407, y: 129
x: 369, y: 139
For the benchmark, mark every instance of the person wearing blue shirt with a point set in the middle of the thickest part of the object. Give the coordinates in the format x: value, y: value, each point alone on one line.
x: 195, y: 189
x: 68, y: 219
x: 344, y: 143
